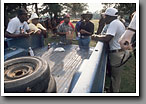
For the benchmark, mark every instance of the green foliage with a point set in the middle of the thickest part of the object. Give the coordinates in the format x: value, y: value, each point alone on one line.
x: 11, y: 8
x: 53, y: 9
x: 56, y: 9
x: 75, y: 9
x: 10, y: 11
x: 125, y: 9
x: 96, y: 15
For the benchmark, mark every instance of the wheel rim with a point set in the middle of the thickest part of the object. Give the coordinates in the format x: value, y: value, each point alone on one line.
x: 19, y: 70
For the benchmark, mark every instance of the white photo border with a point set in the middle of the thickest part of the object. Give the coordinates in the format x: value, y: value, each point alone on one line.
x: 70, y: 94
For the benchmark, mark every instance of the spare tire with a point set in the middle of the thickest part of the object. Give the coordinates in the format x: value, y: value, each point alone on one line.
x: 52, y: 88
x: 24, y: 73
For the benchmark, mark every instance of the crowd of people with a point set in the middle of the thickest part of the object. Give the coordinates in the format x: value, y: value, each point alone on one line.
x: 112, y: 32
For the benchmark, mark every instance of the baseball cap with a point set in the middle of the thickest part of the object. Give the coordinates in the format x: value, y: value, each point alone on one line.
x: 67, y: 16
x: 111, y: 12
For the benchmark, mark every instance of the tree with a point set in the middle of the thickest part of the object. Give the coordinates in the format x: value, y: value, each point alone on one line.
x: 75, y: 8
x: 53, y: 9
x: 36, y: 8
x: 96, y: 15
x: 125, y: 9
x: 10, y: 11
x: 106, y: 5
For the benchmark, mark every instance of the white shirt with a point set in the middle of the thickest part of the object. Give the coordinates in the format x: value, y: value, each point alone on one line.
x: 132, y: 24
x: 14, y: 26
x: 104, y: 30
x: 116, y: 28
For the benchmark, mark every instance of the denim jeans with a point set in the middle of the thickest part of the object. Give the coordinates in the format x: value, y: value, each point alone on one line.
x: 84, y: 43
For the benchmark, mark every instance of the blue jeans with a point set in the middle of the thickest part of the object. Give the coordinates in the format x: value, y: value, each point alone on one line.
x: 84, y: 43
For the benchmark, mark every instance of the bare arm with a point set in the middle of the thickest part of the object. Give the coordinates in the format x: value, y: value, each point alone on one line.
x: 103, y: 38
x: 9, y: 35
x: 126, y: 37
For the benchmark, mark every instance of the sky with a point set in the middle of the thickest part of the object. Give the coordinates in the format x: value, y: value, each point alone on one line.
x: 94, y: 7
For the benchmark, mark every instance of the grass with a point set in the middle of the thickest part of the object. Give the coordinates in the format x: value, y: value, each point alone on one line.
x: 92, y: 43
x: 128, y: 81
x: 128, y: 77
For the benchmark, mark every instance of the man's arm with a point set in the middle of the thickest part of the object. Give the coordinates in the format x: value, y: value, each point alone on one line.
x: 82, y: 31
x: 103, y: 38
x: 125, y: 40
x: 9, y: 35
x: 76, y: 32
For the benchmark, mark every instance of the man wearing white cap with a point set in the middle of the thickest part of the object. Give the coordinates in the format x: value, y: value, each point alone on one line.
x: 35, y: 26
x: 114, y: 31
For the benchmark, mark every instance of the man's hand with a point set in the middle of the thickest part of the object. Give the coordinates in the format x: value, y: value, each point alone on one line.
x: 23, y: 35
x: 82, y: 31
x: 125, y: 40
x: 38, y: 32
x: 69, y: 32
x: 103, y: 38
x: 125, y: 44
x: 94, y: 37
x: 31, y: 32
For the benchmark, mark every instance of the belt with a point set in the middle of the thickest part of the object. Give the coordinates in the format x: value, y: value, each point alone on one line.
x: 84, y: 36
x: 115, y: 51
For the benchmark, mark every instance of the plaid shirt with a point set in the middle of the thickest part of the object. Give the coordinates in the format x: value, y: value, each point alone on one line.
x: 64, y: 28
